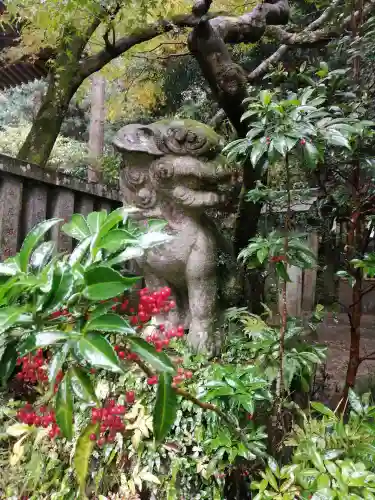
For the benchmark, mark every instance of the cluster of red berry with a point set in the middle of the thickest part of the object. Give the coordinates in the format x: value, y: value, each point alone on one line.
x: 122, y: 353
x: 279, y: 258
x: 61, y: 312
x: 45, y: 418
x: 163, y: 338
x: 33, y: 368
x: 110, y: 419
x: 149, y: 304
x: 181, y: 376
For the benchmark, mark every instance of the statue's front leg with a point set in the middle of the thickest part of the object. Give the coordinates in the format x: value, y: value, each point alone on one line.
x: 202, y: 289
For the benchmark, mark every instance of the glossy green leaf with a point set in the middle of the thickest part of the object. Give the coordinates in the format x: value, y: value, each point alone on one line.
x: 109, y: 323
x: 77, y: 228
x: 10, y: 316
x: 10, y: 269
x: 310, y: 154
x: 95, y: 220
x: 128, y: 254
x: 265, y: 97
x: 355, y: 402
x: 319, y: 407
x: 64, y: 408
x: 281, y: 271
x: 257, y: 151
x: 105, y: 283
x: 165, y: 408
x: 41, y: 339
x: 8, y: 362
x: 31, y: 240
x: 97, y: 351
x: 116, y: 239
x: 81, y: 385
x: 80, y: 251
x: 57, y: 362
x: 42, y: 255
x: 62, y: 285
x: 82, y: 455
x: 158, y: 360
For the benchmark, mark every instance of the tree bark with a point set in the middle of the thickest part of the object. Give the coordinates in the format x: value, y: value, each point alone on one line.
x: 96, y: 132
x: 64, y: 80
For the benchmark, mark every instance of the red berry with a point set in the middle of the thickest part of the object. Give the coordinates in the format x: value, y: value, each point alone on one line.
x: 188, y: 374
x: 101, y: 441
x: 180, y: 371
x: 122, y: 354
x: 92, y: 437
x: 152, y: 380
x: 117, y: 347
x: 130, y: 397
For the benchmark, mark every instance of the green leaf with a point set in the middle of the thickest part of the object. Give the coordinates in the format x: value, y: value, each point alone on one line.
x: 77, y: 228
x: 31, y: 240
x: 64, y: 408
x: 62, y: 285
x: 82, y: 455
x: 79, y: 251
x: 262, y: 254
x: 355, y: 402
x: 97, y: 351
x: 158, y: 360
x: 10, y: 269
x: 42, y: 255
x: 156, y: 224
x: 165, y: 408
x: 265, y: 97
x: 280, y: 144
x: 109, y: 323
x: 115, y: 240
x: 95, y: 220
x: 57, y: 363
x: 105, y: 283
x: 310, y: 154
x: 8, y: 362
x: 81, y: 385
x: 281, y: 271
x: 257, y: 151
x: 319, y: 407
x: 41, y: 339
x: 10, y: 316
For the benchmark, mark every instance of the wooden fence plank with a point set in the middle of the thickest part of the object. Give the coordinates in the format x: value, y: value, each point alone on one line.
x: 62, y: 208
x: 85, y: 205
x: 105, y: 205
x: 35, y: 206
x: 10, y: 215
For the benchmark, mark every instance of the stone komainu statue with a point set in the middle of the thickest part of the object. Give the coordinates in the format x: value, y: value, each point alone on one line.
x: 172, y: 170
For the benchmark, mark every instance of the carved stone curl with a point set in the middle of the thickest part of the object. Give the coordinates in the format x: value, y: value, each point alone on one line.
x: 172, y: 170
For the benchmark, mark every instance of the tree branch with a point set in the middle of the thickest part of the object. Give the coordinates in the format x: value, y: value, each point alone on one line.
x: 310, y: 36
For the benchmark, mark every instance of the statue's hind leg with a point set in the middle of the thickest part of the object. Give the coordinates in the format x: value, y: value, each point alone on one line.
x: 202, y: 290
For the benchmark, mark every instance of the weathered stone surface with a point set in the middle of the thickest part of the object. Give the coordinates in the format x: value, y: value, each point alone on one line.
x: 10, y: 215
x: 35, y: 206
x: 172, y: 171
x: 62, y: 208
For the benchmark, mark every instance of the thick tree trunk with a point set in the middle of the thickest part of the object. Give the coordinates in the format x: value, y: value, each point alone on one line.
x: 96, y: 132
x: 64, y: 81
x: 47, y: 124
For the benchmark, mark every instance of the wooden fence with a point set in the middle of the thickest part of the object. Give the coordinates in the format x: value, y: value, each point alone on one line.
x: 30, y: 194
